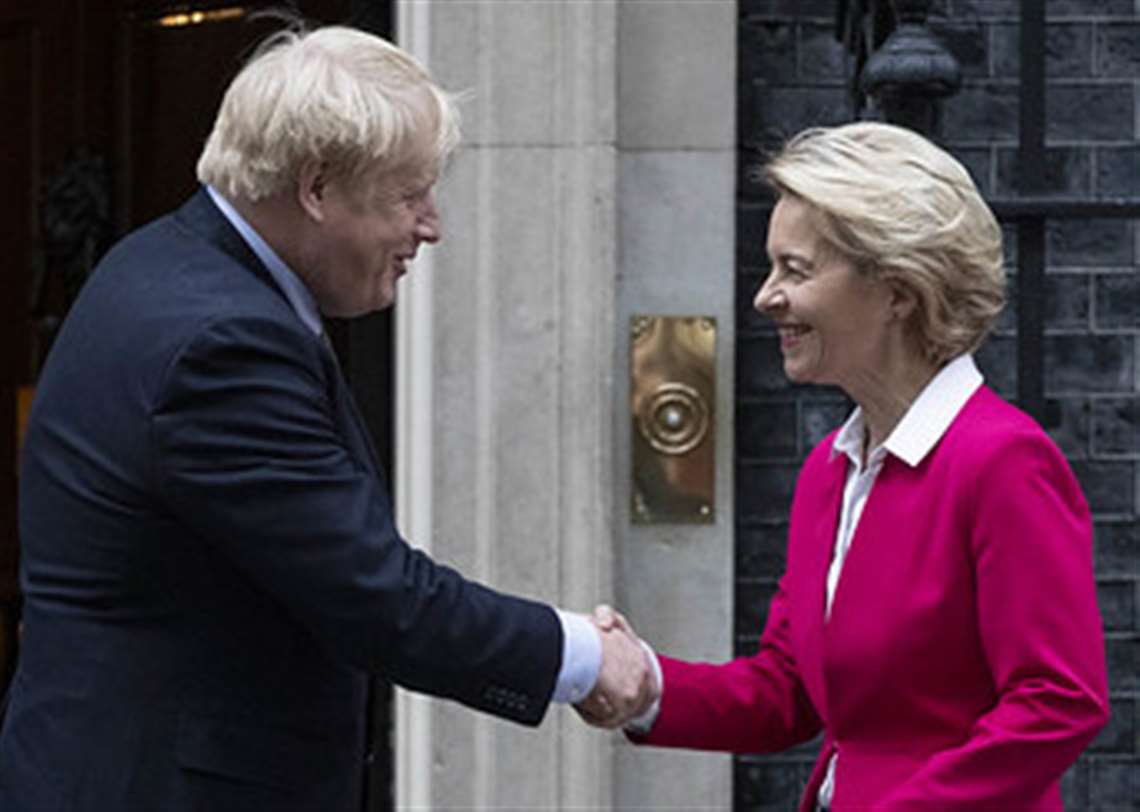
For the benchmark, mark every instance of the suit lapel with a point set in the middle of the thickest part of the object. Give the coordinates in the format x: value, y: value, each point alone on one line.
x: 818, y: 542
x: 200, y: 215
x: 348, y: 417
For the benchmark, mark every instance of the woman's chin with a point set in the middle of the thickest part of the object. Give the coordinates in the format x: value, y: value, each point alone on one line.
x: 795, y: 373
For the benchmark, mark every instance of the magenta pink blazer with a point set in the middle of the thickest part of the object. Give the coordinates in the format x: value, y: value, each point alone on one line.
x: 962, y: 667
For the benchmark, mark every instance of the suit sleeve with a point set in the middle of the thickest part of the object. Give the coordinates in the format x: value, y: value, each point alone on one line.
x: 1041, y: 633
x: 752, y: 704
x: 247, y: 453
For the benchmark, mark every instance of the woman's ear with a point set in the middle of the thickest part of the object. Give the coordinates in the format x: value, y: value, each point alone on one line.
x: 311, y: 187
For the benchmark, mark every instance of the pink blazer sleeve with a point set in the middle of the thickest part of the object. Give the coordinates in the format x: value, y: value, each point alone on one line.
x: 748, y: 705
x: 1040, y: 632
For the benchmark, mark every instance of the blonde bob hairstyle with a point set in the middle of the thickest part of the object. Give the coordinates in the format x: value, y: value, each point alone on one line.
x: 336, y: 95
x: 904, y: 210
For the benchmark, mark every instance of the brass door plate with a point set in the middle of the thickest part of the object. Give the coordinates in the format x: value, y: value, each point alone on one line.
x: 673, y: 409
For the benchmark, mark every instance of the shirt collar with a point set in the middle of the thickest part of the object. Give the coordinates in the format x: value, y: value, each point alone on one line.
x: 298, y: 296
x: 925, y: 421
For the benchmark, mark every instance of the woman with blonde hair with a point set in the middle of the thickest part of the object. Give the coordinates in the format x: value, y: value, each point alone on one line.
x: 937, y: 620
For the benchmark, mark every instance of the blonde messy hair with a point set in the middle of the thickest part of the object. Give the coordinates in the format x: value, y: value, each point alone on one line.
x: 901, y: 208
x: 336, y: 95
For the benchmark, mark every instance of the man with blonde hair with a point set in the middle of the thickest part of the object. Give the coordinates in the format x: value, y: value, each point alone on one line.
x: 210, y: 565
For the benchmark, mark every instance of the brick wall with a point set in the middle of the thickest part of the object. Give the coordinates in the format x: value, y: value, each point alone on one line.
x: 792, y: 74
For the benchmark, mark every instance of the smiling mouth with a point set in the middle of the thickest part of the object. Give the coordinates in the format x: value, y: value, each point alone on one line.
x: 790, y: 335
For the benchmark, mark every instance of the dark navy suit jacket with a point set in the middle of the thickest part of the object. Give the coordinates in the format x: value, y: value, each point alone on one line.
x: 209, y: 561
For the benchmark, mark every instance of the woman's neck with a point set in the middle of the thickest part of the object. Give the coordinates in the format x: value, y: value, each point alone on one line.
x: 885, y: 395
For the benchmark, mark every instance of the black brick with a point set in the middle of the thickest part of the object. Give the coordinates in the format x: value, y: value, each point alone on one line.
x: 787, y: 8
x: 1118, y: 172
x: 771, y: 784
x: 1109, y: 487
x: 752, y: 235
x: 1007, y: 320
x: 982, y: 113
x: 968, y: 43
x: 1075, y: 787
x: 752, y: 599
x: 745, y: 645
x: 1068, y: 49
x: 767, y: 430
x: 820, y: 418
x: 1090, y: 111
x: 1094, y: 243
x: 764, y: 492
x: 768, y: 51
x: 1116, y: 427
x: 1122, y: 652
x: 760, y: 367
x: 997, y: 359
x: 1114, y: 785
x: 1058, y: 8
x: 1118, y: 301
x: 751, y: 187
x: 822, y: 56
x: 1117, y: 546
x: 985, y: 9
x: 1067, y: 172
x: 978, y: 162
x: 1119, y: 735
x: 761, y: 550
x: 1067, y: 301
x: 781, y: 112
x: 1088, y: 363
x: 1118, y: 50
x: 1009, y: 244
x: 1117, y: 600
x: 748, y: 319
x: 1071, y: 434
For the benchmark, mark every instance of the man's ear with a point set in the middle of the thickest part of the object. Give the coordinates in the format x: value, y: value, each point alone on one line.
x: 903, y: 302
x: 312, y: 184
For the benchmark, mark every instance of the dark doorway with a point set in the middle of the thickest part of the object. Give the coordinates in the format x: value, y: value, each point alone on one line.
x: 107, y: 104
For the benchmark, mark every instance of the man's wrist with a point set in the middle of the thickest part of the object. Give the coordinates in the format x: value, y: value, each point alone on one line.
x: 581, y: 658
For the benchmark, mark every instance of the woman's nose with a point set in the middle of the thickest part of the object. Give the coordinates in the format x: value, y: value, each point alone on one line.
x: 769, y: 297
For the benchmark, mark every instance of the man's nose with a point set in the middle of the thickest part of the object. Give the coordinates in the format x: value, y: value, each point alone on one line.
x: 427, y: 224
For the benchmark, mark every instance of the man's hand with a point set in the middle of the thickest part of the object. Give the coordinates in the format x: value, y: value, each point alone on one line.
x: 626, y: 686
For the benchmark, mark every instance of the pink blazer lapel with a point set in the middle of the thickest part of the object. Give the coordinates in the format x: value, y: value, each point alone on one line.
x: 816, y: 525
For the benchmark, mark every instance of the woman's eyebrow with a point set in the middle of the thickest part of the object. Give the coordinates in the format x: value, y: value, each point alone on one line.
x: 788, y: 256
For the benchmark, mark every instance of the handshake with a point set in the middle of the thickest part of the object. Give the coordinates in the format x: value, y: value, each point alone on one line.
x: 627, y: 685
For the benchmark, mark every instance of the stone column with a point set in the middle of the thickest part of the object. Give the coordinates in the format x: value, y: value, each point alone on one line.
x: 677, y: 158
x: 505, y: 466
x: 596, y: 181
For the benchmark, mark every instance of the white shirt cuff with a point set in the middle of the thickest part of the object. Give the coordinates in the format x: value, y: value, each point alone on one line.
x: 640, y: 725
x: 581, y: 658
